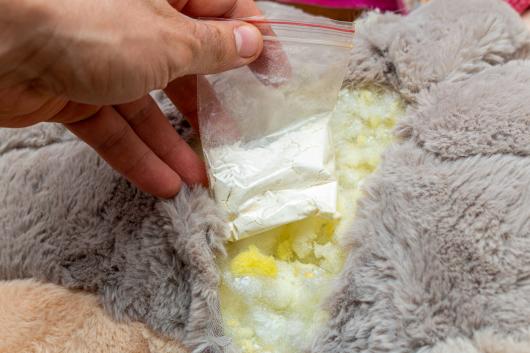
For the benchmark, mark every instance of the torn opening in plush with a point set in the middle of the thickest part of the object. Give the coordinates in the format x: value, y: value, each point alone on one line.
x: 274, y: 283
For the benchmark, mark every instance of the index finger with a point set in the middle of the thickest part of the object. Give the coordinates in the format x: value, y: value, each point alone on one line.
x: 117, y: 143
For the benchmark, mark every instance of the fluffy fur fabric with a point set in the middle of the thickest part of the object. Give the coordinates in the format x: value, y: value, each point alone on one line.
x: 486, y: 341
x: 439, y: 253
x: 440, y: 250
x: 67, y: 218
x: 45, y: 318
x: 443, y: 40
x: 438, y: 259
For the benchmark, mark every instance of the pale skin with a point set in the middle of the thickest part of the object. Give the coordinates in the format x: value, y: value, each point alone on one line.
x: 91, y: 64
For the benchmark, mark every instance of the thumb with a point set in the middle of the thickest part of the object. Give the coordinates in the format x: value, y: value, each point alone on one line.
x: 222, y: 45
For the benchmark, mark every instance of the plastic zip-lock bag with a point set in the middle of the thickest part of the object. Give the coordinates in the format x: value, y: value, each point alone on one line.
x: 264, y: 127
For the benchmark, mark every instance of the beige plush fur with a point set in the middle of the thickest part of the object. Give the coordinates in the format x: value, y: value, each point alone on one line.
x: 45, y: 318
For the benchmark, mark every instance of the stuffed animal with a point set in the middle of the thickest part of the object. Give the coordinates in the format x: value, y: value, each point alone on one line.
x: 437, y: 253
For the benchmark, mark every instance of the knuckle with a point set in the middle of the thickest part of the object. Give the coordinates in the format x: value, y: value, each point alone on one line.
x: 114, y: 139
x: 232, y: 7
x: 196, y: 32
x: 174, y: 59
x: 216, y: 40
x: 146, y: 109
x: 210, y: 42
x: 176, y: 146
x: 136, y: 163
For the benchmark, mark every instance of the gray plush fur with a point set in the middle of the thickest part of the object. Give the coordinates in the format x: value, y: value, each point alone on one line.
x: 450, y: 39
x: 487, y: 114
x: 66, y: 217
x: 486, y: 341
x: 440, y: 249
x: 441, y: 240
x: 439, y: 252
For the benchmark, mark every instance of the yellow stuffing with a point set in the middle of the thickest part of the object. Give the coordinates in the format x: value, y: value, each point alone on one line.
x: 284, y: 250
x: 253, y: 263
x: 275, y: 283
x: 297, y: 241
x: 330, y: 257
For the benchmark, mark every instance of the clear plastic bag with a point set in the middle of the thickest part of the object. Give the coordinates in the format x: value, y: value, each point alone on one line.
x: 264, y: 128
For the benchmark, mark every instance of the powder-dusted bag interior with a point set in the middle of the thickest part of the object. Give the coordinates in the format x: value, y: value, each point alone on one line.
x: 265, y: 127
x: 433, y: 257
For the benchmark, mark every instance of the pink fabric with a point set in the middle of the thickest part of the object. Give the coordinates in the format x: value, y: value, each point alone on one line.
x: 520, y: 5
x: 389, y: 5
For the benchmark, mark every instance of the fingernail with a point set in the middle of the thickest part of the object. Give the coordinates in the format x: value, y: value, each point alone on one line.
x: 248, y: 40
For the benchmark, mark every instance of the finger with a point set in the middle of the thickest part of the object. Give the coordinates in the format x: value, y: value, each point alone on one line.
x: 216, y: 125
x: 116, y: 142
x: 219, y: 8
x: 150, y: 124
x: 183, y: 93
x: 272, y: 67
x: 217, y: 46
x: 74, y: 112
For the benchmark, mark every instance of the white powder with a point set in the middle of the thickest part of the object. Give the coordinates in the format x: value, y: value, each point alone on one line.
x: 277, y: 179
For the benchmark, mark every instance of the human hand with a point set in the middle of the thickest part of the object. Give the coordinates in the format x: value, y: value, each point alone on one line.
x: 91, y: 64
